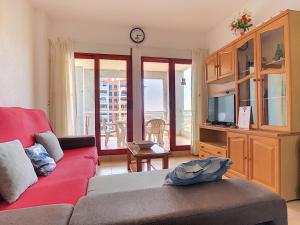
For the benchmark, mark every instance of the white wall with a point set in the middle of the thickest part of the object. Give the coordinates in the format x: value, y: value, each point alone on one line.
x: 41, y: 66
x: 16, y: 54
x: 104, y: 39
x: 221, y: 35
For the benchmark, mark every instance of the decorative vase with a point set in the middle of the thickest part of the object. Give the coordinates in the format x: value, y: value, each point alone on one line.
x: 242, y: 32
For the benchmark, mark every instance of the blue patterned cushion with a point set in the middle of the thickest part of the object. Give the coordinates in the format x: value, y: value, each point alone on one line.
x: 40, y: 159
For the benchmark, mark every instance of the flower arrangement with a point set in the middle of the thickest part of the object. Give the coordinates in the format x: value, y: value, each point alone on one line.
x: 242, y: 23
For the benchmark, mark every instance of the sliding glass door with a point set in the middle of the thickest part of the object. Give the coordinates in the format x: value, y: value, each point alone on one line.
x: 156, y: 102
x: 103, y: 89
x: 167, y: 102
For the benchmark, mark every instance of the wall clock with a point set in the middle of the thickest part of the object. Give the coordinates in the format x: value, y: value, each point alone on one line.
x: 137, y: 35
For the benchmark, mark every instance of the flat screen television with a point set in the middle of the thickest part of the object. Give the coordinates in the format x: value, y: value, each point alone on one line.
x: 221, y: 110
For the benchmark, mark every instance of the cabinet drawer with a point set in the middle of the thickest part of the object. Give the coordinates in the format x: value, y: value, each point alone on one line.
x: 203, y: 154
x: 213, y: 150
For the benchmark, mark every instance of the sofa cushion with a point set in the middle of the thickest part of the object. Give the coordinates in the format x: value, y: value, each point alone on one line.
x: 22, y: 124
x: 224, y: 202
x: 60, y: 192
x: 50, y: 142
x: 16, y: 171
x: 127, y: 182
x: 85, y: 153
x: 66, y: 184
x: 40, y: 159
x: 43, y: 215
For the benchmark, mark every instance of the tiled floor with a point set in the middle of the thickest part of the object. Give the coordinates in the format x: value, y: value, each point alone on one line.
x: 118, y: 167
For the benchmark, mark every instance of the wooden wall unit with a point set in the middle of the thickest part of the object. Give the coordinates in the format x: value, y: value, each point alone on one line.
x: 268, y: 158
x: 238, y: 153
x: 264, y: 65
x: 220, y: 65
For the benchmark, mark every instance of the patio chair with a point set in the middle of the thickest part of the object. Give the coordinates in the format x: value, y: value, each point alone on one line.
x: 121, y: 137
x: 110, y: 129
x: 155, y: 128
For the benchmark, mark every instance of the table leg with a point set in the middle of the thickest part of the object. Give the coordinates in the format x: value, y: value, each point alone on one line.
x: 138, y: 165
x: 149, y: 164
x: 128, y: 159
x: 165, y: 162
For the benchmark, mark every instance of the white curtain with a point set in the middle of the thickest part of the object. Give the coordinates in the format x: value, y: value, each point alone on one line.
x: 199, y: 96
x: 62, y: 87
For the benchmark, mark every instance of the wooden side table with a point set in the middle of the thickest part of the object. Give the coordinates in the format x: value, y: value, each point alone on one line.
x: 140, y: 154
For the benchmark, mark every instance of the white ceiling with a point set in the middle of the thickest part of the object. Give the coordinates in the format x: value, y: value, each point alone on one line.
x: 177, y: 15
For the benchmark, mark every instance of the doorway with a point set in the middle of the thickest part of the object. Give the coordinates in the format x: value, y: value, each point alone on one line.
x: 166, y: 91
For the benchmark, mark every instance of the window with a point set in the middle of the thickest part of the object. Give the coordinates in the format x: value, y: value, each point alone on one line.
x: 115, y: 100
x: 116, y: 94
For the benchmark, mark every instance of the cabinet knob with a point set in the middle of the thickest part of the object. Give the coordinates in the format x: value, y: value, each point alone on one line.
x: 219, y: 153
x: 245, y: 157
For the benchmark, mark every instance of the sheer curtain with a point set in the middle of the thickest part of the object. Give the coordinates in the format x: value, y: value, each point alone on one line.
x: 199, y: 96
x: 62, y: 87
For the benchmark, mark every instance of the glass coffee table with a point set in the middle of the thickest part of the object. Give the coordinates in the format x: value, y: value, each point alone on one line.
x: 139, y: 154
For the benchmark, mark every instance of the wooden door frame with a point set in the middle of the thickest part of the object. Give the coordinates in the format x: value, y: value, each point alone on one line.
x: 97, y: 57
x: 172, y: 102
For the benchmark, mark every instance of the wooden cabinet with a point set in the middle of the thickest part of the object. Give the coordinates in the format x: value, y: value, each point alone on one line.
x: 213, y: 149
x: 226, y: 62
x: 264, y: 161
x: 246, y: 88
x: 238, y: 153
x: 268, y: 158
x: 265, y: 65
x: 211, y: 71
x: 273, y: 75
x: 220, y: 65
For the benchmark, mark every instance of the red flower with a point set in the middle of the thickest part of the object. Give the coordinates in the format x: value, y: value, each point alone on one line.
x: 244, y: 19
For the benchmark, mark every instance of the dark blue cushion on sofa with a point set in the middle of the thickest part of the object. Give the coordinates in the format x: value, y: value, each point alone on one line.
x: 40, y: 159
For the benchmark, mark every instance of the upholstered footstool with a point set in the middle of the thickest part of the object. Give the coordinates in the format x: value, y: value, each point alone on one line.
x: 126, y: 182
x: 40, y: 215
x: 225, y: 202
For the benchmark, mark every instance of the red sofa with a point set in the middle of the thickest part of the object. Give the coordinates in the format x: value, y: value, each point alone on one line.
x: 69, y: 180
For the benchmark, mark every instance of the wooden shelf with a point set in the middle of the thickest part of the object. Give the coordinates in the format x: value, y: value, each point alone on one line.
x: 274, y: 134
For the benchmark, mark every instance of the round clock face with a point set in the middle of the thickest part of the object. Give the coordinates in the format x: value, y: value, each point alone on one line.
x: 137, y: 35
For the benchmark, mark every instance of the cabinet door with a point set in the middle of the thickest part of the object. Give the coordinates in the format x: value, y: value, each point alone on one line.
x: 238, y: 153
x: 274, y: 76
x: 246, y: 85
x: 264, y: 161
x: 226, y: 65
x: 211, y: 72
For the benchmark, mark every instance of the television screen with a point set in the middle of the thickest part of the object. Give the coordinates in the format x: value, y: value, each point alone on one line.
x: 222, y: 109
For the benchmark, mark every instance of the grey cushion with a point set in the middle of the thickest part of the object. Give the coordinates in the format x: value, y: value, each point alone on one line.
x: 50, y: 142
x: 16, y: 171
x: 41, y: 215
x: 127, y: 182
x: 225, y: 202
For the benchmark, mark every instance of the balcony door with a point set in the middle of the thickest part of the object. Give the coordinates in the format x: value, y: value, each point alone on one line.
x: 104, y: 100
x: 166, y: 92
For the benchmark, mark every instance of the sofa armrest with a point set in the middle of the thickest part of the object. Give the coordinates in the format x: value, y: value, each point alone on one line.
x: 48, y: 214
x: 76, y: 142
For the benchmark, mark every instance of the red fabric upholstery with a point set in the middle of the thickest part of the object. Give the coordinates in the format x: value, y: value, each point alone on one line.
x: 22, y: 124
x: 70, y: 178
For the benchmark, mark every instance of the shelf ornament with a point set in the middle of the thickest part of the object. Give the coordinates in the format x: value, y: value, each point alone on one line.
x: 241, y: 23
